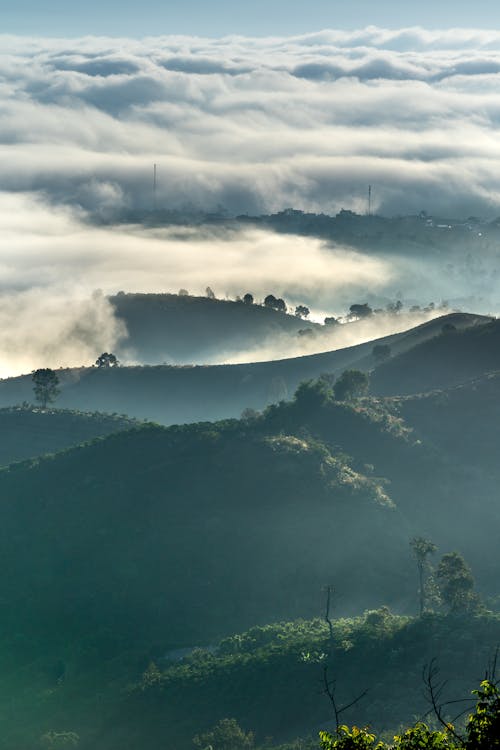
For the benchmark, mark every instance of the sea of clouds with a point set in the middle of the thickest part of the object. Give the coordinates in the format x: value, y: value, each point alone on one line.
x: 247, y: 125
x: 255, y: 125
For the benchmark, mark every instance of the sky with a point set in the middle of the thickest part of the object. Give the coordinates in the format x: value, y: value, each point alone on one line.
x: 221, y: 17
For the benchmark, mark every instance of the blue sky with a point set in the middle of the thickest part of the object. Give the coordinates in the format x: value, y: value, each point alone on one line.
x: 219, y: 17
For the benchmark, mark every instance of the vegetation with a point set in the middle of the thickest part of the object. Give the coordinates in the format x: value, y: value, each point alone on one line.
x: 107, y: 360
x: 45, y: 386
x: 351, y: 384
x: 143, y: 567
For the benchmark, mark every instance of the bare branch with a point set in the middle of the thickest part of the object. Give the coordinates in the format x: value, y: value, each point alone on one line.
x: 433, y: 692
x: 329, y: 593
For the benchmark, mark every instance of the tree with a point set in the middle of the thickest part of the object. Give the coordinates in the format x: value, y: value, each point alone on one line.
x: 456, y: 583
x: 301, y: 311
x: 248, y: 299
x: 45, y: 385
x: 275, y: 303
x: 106, y: 359
x: 358, y: 311
x: 312, y: 394
x: 183, y: 293
x: 330, y: 321
x: 225, y: 735
x: 421, y: 549
x: 395, y: 307
x: 351, y: 384
x: 209, y: 292
x: 270, y: 301
x: 381, y: 352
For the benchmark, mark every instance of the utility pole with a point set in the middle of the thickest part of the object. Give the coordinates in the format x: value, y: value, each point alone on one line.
x: 154, y: 187
x: 369, y: 200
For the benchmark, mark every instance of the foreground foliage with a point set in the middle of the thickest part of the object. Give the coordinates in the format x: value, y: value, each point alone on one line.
x: 482, y: 730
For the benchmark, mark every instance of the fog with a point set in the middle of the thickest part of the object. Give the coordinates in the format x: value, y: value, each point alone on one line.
x: 57, y: 270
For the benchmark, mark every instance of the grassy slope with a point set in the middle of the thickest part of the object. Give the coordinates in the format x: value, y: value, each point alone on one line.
x: 189, y: 394
x: 27, y: 432
x: 172, y: 328
x: 443, y: 361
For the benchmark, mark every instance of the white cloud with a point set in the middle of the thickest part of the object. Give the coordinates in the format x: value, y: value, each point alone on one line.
x: 256, y: 124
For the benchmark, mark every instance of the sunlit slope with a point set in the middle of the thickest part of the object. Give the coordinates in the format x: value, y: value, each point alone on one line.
x: 181, y: 328
x: 189, y: 394
x: 189, y: 533
x: 210, y: 527
x: 26, y: 432
x: 446, y: 360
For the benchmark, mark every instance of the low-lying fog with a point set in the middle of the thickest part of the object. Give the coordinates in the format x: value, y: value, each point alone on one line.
x: 57, y: 270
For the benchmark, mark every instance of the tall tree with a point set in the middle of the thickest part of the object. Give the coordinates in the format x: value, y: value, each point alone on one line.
x: 456, y: 583
x: 421, y: 549
x: 45, y: 385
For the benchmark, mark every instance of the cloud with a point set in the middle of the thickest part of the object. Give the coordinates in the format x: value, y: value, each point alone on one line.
x: 256, y: 125
x: 247, y: 125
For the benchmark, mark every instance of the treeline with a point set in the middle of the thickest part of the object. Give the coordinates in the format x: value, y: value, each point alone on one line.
x: 357, y: 311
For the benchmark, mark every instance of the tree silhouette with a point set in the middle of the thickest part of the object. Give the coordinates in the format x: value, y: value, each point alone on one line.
x: 105, y: 360
x: 421, y: 549
x: 301, y: 311
x: 45, y: 385
x: 456, y: 583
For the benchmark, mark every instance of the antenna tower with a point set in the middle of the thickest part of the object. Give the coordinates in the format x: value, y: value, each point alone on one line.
x: 154, y: 186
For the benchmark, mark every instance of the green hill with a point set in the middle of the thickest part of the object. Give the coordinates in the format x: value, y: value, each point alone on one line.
x: 189, y: 394
x: 27, y: 432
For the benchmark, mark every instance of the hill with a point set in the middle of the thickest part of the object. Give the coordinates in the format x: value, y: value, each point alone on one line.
x: 120, y: 552
x: 27, y: 432
x: 195, y: 393
x: 448, y: 359
x: 175, y: 328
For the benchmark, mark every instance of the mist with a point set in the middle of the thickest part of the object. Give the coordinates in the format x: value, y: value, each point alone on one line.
x: 57, y: 271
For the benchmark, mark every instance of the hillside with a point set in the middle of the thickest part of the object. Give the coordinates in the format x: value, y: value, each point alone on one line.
x: 175, y: 328
x: 124, y: 550
x: 234, y: 498
x: 189, y: 394
x: 29, y: 432
x: 446, y: 360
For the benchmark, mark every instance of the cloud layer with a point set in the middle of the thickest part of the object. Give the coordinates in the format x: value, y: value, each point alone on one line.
x: 255, y: 125
x: 249, y: 125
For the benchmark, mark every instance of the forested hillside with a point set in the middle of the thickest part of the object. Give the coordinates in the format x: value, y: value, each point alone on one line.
x: 268, y: 511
